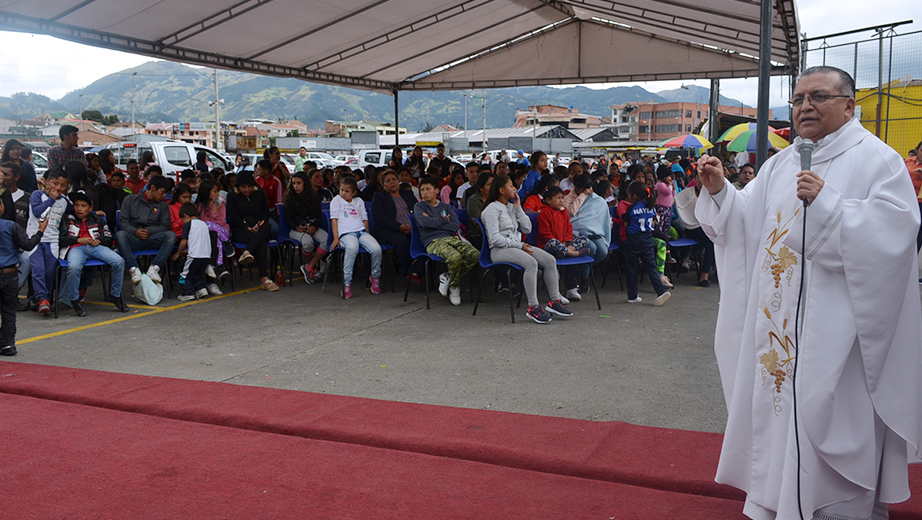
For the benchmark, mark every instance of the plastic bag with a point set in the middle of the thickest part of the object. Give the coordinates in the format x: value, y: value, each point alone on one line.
x: 147, y: 291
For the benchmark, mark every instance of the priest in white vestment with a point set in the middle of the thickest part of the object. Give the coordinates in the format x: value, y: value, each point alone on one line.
x: 859, y: 356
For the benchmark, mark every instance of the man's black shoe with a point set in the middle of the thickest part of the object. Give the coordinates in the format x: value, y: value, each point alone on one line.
x: 33, y: 303
x: 119, y: 303
x: 22, y: 305
x: 9, y: 350
x: 78, y: 307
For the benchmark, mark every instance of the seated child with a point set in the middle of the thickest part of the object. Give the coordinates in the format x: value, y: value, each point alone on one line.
x: 195, y: 236
x: 85, y: 236
x: 50, y: 204
x: 504, y: 221
x: 438, y: 230
x: 638, y: 246
x: 12, y: 238
x: 556, y: 236
x: 350, y: 229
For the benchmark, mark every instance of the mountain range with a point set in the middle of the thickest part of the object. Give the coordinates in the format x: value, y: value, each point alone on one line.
x: 171, y: 92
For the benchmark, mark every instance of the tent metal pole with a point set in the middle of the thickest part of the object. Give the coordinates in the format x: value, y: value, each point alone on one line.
x: 714, y: 111
x: 396, y: 119
x: 765, y: 56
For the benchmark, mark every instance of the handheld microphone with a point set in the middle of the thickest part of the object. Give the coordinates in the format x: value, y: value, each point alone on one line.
x: 805, y: 149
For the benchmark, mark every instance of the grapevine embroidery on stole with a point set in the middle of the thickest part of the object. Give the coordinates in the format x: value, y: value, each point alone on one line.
x: 779, y: 261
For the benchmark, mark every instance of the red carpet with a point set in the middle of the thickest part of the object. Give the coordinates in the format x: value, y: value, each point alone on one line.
x: 85, y: 444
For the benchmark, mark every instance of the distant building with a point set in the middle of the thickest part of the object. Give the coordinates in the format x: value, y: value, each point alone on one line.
x: 195, y: 133
x: 650, y: 121
x: 345, y: 128
x: 553, y: 115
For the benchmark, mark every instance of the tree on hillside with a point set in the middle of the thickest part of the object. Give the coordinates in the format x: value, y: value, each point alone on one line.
x: 92, y: 115
x: 427, y: 127
x: 110, y: 119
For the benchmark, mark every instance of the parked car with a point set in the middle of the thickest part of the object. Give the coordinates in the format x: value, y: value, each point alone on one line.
x: 172, y: 156
x: 374, y: 157
x: 348, y: 160
x: 40, y: 161
x: 256, y: 157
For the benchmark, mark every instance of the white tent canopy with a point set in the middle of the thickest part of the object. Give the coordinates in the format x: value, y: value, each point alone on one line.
x: 392, y: 45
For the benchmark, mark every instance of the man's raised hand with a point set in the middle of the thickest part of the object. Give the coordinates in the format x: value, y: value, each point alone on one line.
x: 711, y: 174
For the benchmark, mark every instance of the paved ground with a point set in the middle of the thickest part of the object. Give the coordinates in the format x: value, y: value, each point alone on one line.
x: 629, y: 362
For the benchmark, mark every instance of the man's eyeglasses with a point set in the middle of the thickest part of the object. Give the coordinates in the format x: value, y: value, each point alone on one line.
x: 815, y: 99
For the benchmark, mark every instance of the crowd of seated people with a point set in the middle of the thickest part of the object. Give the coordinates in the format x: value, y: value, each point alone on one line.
x: 91, y: 210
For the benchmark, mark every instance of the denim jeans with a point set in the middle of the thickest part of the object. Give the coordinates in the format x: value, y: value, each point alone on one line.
x: 598, y: 250
x: 351, y: 242
x: 164, y: 242
x: 77, y: 257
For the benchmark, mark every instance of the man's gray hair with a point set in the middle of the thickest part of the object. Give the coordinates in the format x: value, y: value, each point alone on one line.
x: 846, y: 84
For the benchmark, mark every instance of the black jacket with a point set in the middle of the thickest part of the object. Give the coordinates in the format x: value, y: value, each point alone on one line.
x: 300, y: 212
x: 244, y: 212
x: 385, y: 211
x: 70, y: 230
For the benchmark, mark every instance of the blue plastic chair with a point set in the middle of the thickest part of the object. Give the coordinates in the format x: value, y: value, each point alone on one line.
x: 676, y: 244
x: 61, y: 268
x: 287, y: 246
x: 149, y: 253
x: 487, y: 264
x: 563, y: 262
x: 418, y: 252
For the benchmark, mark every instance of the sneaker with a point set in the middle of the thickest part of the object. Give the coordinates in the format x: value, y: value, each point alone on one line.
x: 661, y: 299
x: 22, y: 305
x: 82, y: 295
x: 564, y: 300
x: 375, y: 285
x: 455, y: 295
x: 213, y: 289
x: 245, y: 258
x: 347, y: 291
x: 135, y: 274
x: 689, y: 263
x: 669, y: 258
x: 78, y: 308
x: 415, y: 278
x: 223, y: 273
x: 556, y: 307
x: 538, y: 315
x: 229, y: 250
x: 666, y: 282
x: 154, y: 273
x: 573, y: 295
x: 443, y: 284
x: 515, y: 291
x: 583, y: 284
x: 324, y: 266
x: 186, y: 297
x: 201, y: 293
x: 308, y: 274
x: 636, y: 300
x: 706, y: 283
x: 9, y: 350
x: 44, y: 308
x: 210, y: 273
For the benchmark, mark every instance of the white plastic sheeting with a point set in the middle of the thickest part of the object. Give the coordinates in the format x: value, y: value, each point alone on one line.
x: 388, y: 45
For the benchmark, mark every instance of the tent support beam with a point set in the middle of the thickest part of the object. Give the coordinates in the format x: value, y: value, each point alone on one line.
x: 396, y: 119
x: 765, y: 56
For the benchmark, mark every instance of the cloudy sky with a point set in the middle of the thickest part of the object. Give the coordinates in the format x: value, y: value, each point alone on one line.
x: 54, y: 67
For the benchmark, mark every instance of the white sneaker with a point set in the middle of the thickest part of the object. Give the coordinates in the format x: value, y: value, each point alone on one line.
x: 135, y: 274
x: 636, y: 300
x: 455, y: 295
x: 201, y: 293
x: 209, y: 272
x: 573, y: 295
x: 443, y: 284
x: 185, y: 297
x: 564, y: 300
x: 661, y: 299
x: 154, y: 273
x: 213, y: 289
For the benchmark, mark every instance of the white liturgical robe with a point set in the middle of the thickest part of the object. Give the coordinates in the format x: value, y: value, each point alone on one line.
x: 859, y: 387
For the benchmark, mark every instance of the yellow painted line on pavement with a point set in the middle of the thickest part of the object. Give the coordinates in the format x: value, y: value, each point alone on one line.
x: 157, y: 310
x: 148, y: 307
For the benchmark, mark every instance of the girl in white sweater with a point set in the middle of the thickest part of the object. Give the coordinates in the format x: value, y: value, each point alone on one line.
x: 504, y: 221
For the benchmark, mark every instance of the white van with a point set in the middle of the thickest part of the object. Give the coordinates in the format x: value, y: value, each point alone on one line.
x: 375, y: 157
x: 172, y: 156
